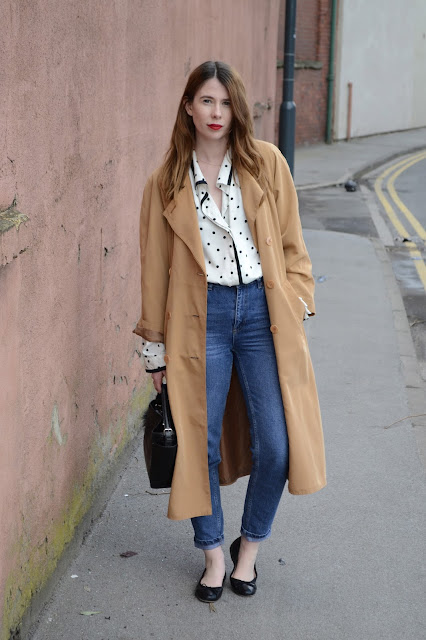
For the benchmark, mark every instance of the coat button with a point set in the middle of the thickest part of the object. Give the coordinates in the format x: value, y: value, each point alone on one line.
x: 168, y: 315
x: 274, y: 328
x: 166, y: 359
x: 269, y: 240
x: 270, y: 284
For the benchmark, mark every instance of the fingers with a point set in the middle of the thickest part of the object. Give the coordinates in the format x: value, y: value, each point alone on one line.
x: 157, y: 379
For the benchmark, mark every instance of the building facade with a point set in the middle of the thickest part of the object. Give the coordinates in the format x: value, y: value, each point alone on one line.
x: 378, y: 73
x: 380, y: 67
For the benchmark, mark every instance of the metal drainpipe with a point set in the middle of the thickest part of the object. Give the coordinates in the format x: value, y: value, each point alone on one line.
x: 330, y: 77
x: 287, y: 124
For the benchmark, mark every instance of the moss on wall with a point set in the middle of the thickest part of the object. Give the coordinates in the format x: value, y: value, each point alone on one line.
x: 36, y: 561
x: 11, y: 217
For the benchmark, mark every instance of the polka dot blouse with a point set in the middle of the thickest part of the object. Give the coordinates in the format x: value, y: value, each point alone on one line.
x: 230, y: 254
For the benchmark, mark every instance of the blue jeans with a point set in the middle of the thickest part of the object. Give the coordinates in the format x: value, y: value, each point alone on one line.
x: 238, y: 332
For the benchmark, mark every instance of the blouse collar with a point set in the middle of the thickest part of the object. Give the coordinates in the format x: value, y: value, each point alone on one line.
x: 225, y: 172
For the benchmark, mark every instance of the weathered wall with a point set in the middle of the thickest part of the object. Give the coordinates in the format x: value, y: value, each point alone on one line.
x: 382, y: 51
x: 89, y: 94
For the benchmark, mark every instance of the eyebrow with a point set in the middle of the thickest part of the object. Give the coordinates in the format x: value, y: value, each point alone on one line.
x: 211, y: 97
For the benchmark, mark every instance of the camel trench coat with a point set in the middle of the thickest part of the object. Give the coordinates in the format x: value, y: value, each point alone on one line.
x: 174, y: 310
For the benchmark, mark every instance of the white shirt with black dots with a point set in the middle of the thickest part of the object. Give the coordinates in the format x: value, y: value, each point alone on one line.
x: 225, y: 236
x: 153, y: 353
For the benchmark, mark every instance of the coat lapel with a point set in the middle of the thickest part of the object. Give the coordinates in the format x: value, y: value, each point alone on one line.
x: 182, y: 217
x: 252, y: 194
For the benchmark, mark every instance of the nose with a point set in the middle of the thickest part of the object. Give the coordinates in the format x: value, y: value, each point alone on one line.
x: 217, y: 111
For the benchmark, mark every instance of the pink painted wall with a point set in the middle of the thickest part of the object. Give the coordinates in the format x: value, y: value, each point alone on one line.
x: 89, y: 94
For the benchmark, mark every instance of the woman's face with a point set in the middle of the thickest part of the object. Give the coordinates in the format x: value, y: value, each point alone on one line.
x: 211, y: 111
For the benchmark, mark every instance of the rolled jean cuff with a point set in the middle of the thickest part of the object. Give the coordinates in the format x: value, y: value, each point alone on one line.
x: 206, y: 545
x: 254, y: 537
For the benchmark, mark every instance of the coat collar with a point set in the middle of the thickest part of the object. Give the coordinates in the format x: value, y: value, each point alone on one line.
x: 182, y: 215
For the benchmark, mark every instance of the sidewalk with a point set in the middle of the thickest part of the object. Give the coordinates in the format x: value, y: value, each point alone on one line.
x: 342, y: 564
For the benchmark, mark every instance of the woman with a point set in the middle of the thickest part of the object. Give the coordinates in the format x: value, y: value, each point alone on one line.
x: 226, y: 285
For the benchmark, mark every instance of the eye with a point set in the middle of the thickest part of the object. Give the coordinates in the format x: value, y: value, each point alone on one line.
x: 206, y: 100
x: 226, y: 103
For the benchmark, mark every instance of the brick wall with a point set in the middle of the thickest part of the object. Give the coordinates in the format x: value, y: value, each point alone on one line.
x: 312, y: 54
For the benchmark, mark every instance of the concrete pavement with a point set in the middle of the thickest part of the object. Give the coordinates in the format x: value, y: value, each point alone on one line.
x: 345, y: 563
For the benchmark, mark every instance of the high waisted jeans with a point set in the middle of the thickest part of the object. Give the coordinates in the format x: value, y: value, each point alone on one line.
x: 238, y: 332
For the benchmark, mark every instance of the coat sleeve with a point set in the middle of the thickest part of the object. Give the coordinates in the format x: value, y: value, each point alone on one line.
x: 298, y: 264
x: 154, y: 264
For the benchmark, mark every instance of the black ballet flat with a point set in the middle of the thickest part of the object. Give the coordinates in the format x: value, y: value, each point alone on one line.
x: 241, y: 587
x: 208, y: 594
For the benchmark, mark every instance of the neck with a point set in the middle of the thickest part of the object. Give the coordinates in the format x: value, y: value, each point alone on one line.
x: 211, y: 152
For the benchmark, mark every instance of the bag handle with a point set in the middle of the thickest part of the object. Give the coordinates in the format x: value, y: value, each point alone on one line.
x: 168, y: 425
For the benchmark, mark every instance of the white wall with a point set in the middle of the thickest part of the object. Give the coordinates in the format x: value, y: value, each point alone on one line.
x: 381, y: 49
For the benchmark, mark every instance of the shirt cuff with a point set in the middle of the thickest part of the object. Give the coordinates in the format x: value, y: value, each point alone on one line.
x: 153, y: 353
x: 307, y: 312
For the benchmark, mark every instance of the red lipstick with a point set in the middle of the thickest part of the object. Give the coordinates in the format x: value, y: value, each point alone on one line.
x: 215, y: 127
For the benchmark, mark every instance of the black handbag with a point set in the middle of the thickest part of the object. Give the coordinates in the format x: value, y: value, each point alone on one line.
x: 160, y: 441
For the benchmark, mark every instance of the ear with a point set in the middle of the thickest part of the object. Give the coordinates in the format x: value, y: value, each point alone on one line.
x: 188, y: 108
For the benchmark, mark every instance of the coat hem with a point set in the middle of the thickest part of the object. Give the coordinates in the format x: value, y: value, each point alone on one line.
x: 206, y: 512
x: 304, y: 492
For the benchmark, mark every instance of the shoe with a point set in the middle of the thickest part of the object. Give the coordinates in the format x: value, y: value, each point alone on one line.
x: 208, y: 594
x: 241, y: 587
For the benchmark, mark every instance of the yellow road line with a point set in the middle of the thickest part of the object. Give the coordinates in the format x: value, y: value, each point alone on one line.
x: 398, y: 168
x: 417, y: 226
x: 401, y: 230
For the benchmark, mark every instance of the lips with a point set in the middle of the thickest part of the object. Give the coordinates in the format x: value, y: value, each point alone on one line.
x: 215, y: 127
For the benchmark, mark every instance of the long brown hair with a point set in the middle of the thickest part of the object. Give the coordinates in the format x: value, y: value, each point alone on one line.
x: 241, y: 140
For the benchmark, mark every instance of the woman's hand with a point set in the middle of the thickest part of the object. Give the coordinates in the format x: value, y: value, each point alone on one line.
x: 157, y: 379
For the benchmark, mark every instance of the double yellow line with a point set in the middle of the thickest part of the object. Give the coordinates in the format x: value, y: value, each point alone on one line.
x: 390, y: 175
